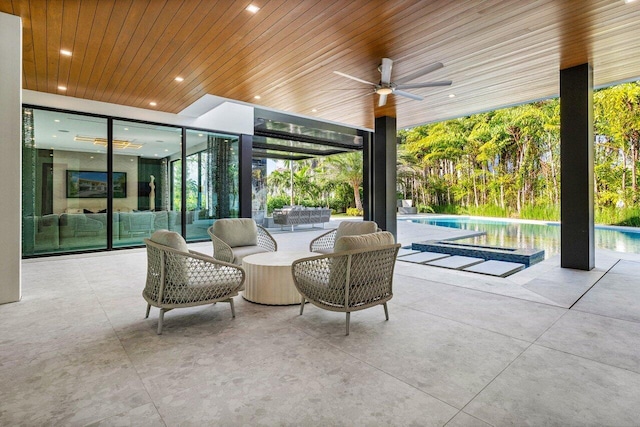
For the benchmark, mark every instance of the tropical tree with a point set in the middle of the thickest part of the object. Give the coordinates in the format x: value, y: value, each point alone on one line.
x: 347, y: 167
x: 617, y: 115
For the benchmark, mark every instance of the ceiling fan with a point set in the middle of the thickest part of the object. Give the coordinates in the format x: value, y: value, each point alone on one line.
x: 386, y: 87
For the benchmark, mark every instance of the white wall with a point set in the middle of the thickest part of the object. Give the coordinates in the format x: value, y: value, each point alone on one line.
x: 10, y: 157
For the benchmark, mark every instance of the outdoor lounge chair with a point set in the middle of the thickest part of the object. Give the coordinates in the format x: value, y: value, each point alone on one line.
x: 235, y: 238
x: 178, y: 277
x: 325, y: 242
x: 357, y: 275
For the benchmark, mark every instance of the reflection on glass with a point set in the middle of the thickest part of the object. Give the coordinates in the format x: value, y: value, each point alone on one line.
x: 259, y: 190
x: 63, y: 182
x: 143, y: 153
x: 212, y: 180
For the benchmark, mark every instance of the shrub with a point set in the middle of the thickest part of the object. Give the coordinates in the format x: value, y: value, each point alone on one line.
x: 354, y: 212
x: 541, y: 212
x: 425, y: 209
x: 277, y: 202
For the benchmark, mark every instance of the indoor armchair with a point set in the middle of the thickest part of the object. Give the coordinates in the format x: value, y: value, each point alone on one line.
x: 178, y: 277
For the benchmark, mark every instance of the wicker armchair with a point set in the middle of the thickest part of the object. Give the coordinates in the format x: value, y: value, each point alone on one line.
x: 178, y: 277
x: 325, y: 242
x: 235, y: 238
x: 358, y: 275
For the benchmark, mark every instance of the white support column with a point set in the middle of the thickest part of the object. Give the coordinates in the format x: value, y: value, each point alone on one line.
x: 10, y: 157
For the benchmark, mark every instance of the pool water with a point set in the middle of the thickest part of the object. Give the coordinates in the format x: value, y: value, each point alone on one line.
x: 534, y: 234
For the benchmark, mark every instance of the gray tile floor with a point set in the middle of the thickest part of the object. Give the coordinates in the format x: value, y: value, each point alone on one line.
x: 544, y: 346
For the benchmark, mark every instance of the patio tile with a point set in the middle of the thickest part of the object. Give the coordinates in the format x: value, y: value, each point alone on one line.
x: 549, y: 387
x: 505, y: 315
x: 403, y: 251
x: 615, y: 295
x: 496, y: 268
x: 313, y: 384
x: 422, y: 257
x: 463, y: 419
x: 446, y: 359
x: 603, y: 339
x: 456, y: 262
x: 626, y: 267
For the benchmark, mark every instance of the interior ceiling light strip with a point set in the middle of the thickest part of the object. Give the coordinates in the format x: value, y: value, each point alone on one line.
x: 118, y: 144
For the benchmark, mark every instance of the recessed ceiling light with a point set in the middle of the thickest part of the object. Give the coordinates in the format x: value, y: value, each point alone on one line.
x: 156, y: 155
x: 198, y: 135
x: 166, y: 150
x: 257, y: 97
x: 452, y: 95
x: 57, y: 121
x: 253, y: 8
x: 153, y: 104
x: 314, y: 111
x: 179, y: 79
x: 62, y: 87
x: 65, y: 52
x: 126, y: 128
x: 629, y: 1
x: 54, y: 136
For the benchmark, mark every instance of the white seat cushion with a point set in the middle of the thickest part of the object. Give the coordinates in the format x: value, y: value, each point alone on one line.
x: 236, y: 231
x: 240, y: 252
x: 347, y: 228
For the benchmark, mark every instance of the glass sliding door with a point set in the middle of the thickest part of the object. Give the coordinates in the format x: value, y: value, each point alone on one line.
x: 142, y: 156
x: 212, y: 181
x: 64, y: 175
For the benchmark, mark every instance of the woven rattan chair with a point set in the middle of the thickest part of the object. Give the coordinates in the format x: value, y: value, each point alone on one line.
x: 178, y: 277
x: 326, y: 242
x: 357, y: 275
x: 235, y: 238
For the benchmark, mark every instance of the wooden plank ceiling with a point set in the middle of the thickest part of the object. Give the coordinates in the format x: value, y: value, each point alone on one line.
x: 497, y: 52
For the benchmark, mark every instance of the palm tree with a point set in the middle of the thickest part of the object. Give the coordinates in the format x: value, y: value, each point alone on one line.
x: 347, y: 168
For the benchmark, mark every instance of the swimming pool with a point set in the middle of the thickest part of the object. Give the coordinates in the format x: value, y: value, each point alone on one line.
x: 533, y: 234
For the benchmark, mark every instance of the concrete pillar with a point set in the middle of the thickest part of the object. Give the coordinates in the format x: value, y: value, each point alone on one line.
x: 380, y: 174
x: 10, y: 156
x: 577, y: 247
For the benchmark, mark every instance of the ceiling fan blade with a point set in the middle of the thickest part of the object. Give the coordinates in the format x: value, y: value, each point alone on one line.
x: 382, y: 101
x: 408, y: 95
x: 426, y: 70
x: 385, y: 71
x: 425, y: 84
x: 354, y: 78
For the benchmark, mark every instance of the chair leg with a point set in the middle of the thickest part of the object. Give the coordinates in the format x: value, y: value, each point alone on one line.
x: 301, y: 305
x: 348, y: 318
x: 233, y: 310
x: 386, y: 311
x: 160, y: 319
x: 148, y: 310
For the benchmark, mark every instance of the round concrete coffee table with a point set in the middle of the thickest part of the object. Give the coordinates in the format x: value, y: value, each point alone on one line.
x: 268, y: 277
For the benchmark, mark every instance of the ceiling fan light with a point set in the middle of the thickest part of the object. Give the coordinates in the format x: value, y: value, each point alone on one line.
x: 384, y: 91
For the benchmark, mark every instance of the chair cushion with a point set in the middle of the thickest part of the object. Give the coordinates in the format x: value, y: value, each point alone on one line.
x: 240, y: 252
x: 347, y: 228
x: 170, y: 239
x: 363, y: 241
x: 236, y: 231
